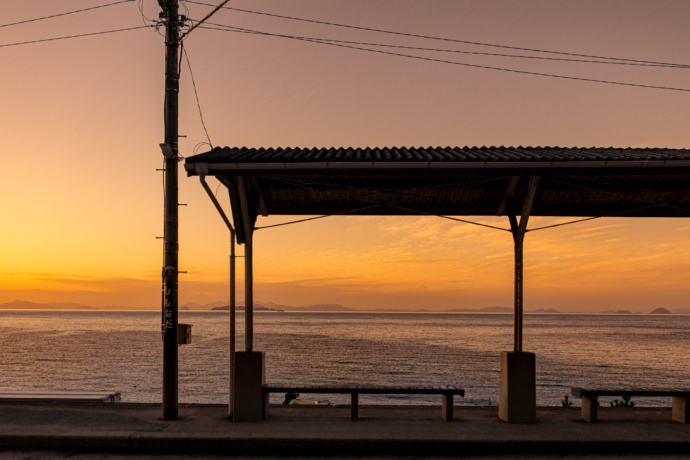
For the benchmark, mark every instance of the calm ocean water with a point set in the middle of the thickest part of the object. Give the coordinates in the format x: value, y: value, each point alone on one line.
x: 79, y: 350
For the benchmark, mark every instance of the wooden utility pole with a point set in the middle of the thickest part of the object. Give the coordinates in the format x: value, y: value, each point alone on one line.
x: 170, y: 16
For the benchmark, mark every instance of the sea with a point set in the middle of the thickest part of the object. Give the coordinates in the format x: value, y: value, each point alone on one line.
x: 123, y: 351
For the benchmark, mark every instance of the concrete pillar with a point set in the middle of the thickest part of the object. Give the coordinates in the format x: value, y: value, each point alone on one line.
x: 590, y: 408
x: 681, y: 409
x: 250, y: 376
x: 518, y: 398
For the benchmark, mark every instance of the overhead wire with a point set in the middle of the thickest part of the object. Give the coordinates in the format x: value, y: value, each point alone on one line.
x: 613, y: 214
x: 317, y: 217
x: 184, y: 7
x: 464, y: 64
x: 443, y: 216
x: 428, y: 37
x: 146, y: 20
x: 196, y: 94
x: 189, y: 65
x: 199, y: 145
x: 65, y: 13
x: 445, y: 50
x: 221, y: 5
x: 74, y: 36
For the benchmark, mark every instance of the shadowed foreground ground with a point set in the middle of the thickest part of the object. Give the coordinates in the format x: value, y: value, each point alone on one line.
x: 16, y: 454
x: 88, y: 432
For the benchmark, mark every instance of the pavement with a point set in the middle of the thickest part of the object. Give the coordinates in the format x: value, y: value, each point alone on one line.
x: 43, y: 431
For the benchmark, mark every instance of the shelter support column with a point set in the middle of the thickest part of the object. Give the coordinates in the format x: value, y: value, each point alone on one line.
x: 219, y: 208
x: 249, y: 376
x: 233, y: 325
x: 248, y: 293
x: 517, y: 401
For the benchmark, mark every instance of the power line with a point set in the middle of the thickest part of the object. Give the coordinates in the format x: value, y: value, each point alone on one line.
x: 203, y: 20
x: 441, y: 50
x: 65, y: 14
x: 196, y: 94
x: 144, y: 18
x: 419, y: 211
x: 74, y: 36
x: 464, y: 64
x: 613, y: 214
x: 427, y: 37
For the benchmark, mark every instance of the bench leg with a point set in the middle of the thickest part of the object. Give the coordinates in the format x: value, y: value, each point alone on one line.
x: 447, y: 408
x: 267, y: 398
x: 589, y: 408
x: 681, y: 409
x: 354, y: 406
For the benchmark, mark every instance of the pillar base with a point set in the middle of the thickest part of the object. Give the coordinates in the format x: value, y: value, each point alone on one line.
x: 518, y: 398
x: 250, y: 377
x: 681, y: 409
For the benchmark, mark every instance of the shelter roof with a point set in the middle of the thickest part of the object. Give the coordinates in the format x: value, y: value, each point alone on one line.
x: 456, y: 181
x: 246, y: 155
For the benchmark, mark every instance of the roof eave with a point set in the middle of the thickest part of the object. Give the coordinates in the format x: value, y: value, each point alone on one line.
x: 204, y: 168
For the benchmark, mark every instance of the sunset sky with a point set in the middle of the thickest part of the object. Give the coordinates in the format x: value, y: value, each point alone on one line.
x: 82, y: 119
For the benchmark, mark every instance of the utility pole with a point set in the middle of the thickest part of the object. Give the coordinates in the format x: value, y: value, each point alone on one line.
x: 170, y: 15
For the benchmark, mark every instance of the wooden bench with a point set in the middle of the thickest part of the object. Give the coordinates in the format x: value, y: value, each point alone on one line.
x: 590, y: 400
x: 60, y: 396
x: 355, y: 390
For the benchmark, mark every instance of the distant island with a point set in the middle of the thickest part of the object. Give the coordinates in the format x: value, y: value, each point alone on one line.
x: 480, y: 310
x: 241, y: 308
x: 549, y: 311
x: 23, y: 305
x: 325, y: 307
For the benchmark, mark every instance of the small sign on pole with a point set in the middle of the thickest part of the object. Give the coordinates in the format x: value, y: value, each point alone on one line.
x: 169, y: 332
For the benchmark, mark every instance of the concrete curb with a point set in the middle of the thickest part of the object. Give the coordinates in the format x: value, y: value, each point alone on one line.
x: 279, y: 445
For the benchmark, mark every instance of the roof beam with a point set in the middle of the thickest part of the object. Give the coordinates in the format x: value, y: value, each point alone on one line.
x: 508, y: 195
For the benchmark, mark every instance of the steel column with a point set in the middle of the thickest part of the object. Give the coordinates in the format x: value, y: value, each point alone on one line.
x: 518, y: 239
x: 519, y: 229
x: 248, y: 223
x: 233, y: 325
x: 231, y: 390
x: 249, y: 291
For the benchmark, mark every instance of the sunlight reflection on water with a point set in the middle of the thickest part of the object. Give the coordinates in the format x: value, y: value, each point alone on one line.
x: 76, y: 350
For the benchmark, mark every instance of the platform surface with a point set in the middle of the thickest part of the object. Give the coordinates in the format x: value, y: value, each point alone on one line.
x: 295, y: 430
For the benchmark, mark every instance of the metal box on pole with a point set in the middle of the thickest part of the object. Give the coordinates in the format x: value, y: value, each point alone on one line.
x: 184, y: 334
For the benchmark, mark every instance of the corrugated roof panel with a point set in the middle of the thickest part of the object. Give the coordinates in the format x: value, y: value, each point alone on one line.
x: 478, y: 186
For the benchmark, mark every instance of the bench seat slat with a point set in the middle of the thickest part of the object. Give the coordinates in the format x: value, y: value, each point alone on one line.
x: 579, y: 392
x: 60, y: 396
x: 355, y: 390
x: 363, y: 389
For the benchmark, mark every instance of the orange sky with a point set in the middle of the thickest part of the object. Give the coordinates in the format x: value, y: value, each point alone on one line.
x: 82, y: 120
